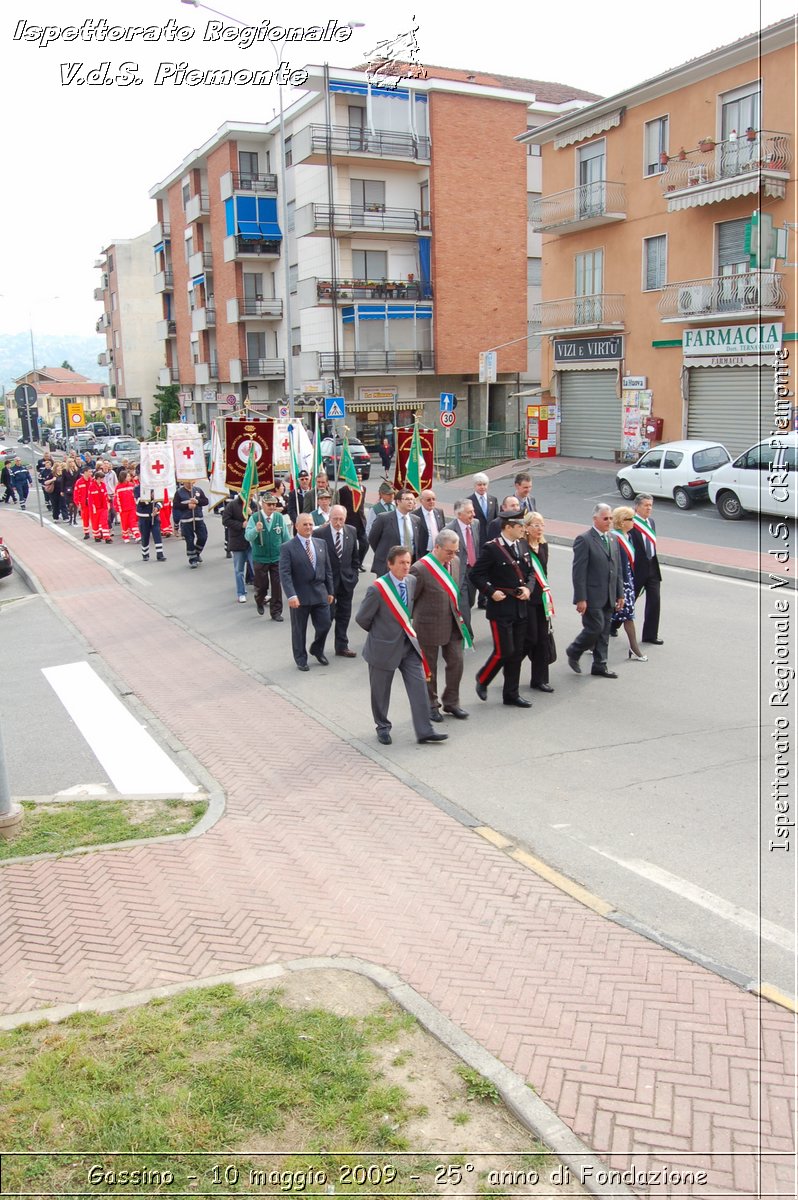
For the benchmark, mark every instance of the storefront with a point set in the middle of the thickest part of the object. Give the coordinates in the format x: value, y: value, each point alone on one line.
x: 588, y: 390
x: 377, y: 410
x: 729, y: 384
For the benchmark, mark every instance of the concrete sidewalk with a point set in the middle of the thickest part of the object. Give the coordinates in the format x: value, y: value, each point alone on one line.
x: 648, y: 1058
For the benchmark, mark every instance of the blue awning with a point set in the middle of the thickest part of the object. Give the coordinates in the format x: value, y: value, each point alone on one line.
x: 270, y: 230
x: 249, y: 229
x: 197, y: 280
x: 382, y: 312
x: 158, y: 248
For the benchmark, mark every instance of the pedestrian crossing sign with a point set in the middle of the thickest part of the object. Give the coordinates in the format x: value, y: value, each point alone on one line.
x: 334, y: 408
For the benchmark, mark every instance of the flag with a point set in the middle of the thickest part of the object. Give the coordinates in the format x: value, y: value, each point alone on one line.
x: 301, y: 450
x: 414, y: 471
x: 189, y: 457
x: 347, y: 473
x: 250, y: 481
x: 218, y: 486
x: 317, y: 467
x: 157, y: 468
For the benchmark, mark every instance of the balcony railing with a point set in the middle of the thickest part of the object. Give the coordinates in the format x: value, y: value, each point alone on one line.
x: 594, y: 203
x: 262, y: 368
x: 750, y: 293
x: 256, y: 246
x: 370, y: 216
x: 246, y: 181
x: 383, y: 361
x: 198, y: 205
x: 744, y: 156
x: 370, y: 289
x: 174, y: 374
x: 259, y: 306
x: 600, y: 311
x: 340, y: 139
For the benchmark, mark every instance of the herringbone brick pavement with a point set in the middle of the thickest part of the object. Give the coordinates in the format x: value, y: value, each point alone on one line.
x: 647, y: 1057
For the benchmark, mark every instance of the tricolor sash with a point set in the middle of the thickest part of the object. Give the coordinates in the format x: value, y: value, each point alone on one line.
x: 448, y: 584
x: 540, y: 576
x: 627, y: 546
x: 648, y: 533
x: 390, y: 596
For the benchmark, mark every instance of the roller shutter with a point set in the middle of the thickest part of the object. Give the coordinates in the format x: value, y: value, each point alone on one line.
x: 590, y: 422
x: 731, y: 405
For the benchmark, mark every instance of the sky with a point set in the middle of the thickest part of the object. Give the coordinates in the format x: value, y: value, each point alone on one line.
x: 80, y: 160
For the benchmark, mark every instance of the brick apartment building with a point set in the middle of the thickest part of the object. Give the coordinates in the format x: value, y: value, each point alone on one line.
x: 407, y: 246
x: 649, y: 199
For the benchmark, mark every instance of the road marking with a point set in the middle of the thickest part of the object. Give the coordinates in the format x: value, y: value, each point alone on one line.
x: 133, y: 761
x: 697, y: 895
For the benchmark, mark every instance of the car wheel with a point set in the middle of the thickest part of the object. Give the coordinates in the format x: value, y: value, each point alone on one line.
x: 626, y: 489
x: 682, y: 498
x: 729, y: 506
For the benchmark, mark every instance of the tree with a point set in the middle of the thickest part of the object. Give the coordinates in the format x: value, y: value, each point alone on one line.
x: 66, y: 366
x: 167, y: 407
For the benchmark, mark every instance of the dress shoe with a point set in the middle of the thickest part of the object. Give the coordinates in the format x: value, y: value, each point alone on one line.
x: 433, y: 737
x: 482, y: 691
x: 261, y: 609
x: 604, y: 674
x: 637, y: 657
x: 323, y: 659
x: 384, y: 737
x: 454, y: 711
x: 302, y: 667
x: 653, y: 641
x: 518, y: 702
x: 573, y: 663
x: 436, y: 716
x: 277, y: 618
x: 541, y: 687
x: 345, y: 653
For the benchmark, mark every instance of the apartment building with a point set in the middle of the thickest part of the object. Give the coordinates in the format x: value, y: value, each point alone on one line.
x: 651, y: 291
x: 375, y: 259
x: 134, y: 350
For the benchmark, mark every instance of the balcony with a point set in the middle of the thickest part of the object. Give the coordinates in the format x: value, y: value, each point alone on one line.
x: 205, y: 372
x: 376, y: 362
x: 369, y: 220
x: 751, y: 294
x: 167, y: 376
x: 598, y: 203
x: 203, y: 318
x: 200, y: 263
x: 164, y: 280
x: 236, y: 247
x: 743, y: 166
x: 370, y: 289
x: 161, y: 233
x: 262, y: 368
x: 312, y: 144
x: 99, y: 294
x: 247, y: 181
x: 254, y: 308
x: 106, y: 359
x: 197, y: 207
x: 575, y: 314
x: 103, y: 322
x: 165, y: 329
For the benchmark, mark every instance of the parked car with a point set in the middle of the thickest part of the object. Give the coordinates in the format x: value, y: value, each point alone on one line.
x: 83, y: 441
x: 762, y: 480
x: 360, y: 455
x: 680, y: 471
x: 119, y: 449
x: 6, y: 561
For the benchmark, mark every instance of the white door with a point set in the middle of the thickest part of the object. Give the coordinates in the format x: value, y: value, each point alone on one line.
x: 646, y: 475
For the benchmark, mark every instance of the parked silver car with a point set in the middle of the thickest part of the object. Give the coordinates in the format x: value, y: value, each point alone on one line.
x: 121, y: 449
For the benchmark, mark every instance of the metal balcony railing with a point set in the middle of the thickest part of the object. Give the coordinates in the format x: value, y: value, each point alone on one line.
x: 246, y: 181
x: 340, y: 139
x: 262, y: 368
x: 600, y: 311
x: 370, y: 216
x: 256, y: 246
x: 174, y: 374
x: 376, y: 360
x: 718, y: 295
x: 259, y: 306
x: 585, y: 203
x: 374, y: 289
x: 168, y: 277
x: 210, y: 316
x: 761, y: 150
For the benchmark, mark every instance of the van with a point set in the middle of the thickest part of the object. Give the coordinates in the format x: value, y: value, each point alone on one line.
x: 762, y: 480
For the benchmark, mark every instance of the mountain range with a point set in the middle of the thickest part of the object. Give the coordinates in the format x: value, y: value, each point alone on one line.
x: 51, y: 351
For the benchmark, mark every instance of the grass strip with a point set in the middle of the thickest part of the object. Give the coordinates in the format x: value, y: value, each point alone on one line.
x: 54, y: 828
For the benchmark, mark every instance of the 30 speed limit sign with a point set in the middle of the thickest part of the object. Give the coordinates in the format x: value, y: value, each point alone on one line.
x: 448, y: 419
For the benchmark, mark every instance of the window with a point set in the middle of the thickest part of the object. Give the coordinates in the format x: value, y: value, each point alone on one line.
x: 671, y: 460
x: 532, y: 150
x: 370, y: 265
x: 110, y: 263
x: 186, y: 193
x: 293, y: 276
x: 534, y: 268
x: 189, y: 247
x: 710, y: 459
x: 654, y: 258
x: 592, y: 175
x: 740, y: 110
x: 650, y: 460
x: 247, y: 167
x: 733, y: 262
x: 589, y: 270
x: 296, y: 342
x: 368, y: 194
x: 424, y: 195
x: 656, y: 143
x: 289, y: 154
x: 256, y: 347
x: 253, y: 285
x: 290, y: 214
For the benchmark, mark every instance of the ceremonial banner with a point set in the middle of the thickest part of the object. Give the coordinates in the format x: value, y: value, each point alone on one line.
x: 404, y: 443
x: 239, y: 436
x: 157, y: 470
x: 282, y: 447
x: 181, y: 429
x: 217, y: 484
x: 301, y: 450
x: 189, y: 457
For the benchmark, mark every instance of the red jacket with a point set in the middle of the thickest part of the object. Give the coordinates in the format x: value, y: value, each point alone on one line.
x: 97, y: 494
x: 125, y: 502
x: 80, y: 495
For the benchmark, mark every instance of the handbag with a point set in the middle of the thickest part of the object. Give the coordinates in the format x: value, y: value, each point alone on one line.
x: 551, y: 646
x: 48, y: 485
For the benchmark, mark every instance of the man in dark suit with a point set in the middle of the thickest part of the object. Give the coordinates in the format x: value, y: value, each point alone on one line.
x: 648, y: 576
x: 438, y: 621
x: 430, y: 521
x: 307, y: 581
x: 399, y: 528
x: 598, y: 590
x: 523, y: 492
x: 341, y: 542
x: 392, y: 645
x: 509, y: 505
x: 486, y: 507
x: 501, y: 575
x: 296, y: 497
x: 467, y: 530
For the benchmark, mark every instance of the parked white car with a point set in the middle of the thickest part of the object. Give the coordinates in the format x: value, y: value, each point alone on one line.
x: 680, y: 471
x: 763, y: 480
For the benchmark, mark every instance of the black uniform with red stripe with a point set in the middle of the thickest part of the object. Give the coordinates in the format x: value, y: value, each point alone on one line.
x: 499, y: 569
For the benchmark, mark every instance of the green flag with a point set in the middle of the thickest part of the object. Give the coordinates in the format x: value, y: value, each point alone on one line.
x: 414, y: 470
x: 249, y: 484
x: 347, y: 473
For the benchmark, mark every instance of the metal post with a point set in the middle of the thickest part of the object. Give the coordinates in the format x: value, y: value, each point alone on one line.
x: 289, y: 359
x: 10, y: 813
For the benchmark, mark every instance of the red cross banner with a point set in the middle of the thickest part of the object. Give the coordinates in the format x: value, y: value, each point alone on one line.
x: 157, y: 470
x: 404, y: 441
x: 189, y: 458
x: 238, y: 437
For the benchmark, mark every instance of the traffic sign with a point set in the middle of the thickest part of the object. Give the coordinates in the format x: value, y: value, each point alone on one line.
x: 448, y: 419
x: 334, y: 408
x: 25, y: 396
x: 448, y: 402
x: 282, y: 412
x: 75, y: 415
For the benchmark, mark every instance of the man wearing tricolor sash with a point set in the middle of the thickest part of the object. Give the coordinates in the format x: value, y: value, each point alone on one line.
x: 439, y: 622
x: 647, y: 572
x: 392, y: 644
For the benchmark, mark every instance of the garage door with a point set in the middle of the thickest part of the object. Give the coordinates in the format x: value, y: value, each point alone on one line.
x: 731, y: 405
x: 590, y: 424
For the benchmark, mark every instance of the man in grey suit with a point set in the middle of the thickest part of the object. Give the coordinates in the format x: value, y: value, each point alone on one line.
x: 430, y: 521
x: 399, y: 528
x: 467, y: 530
x: 438, y: 621
x: 598, y: 590
x: 341, y: 542
x: 392, y: 645
x: 307, y: 581
x: 486, y: 506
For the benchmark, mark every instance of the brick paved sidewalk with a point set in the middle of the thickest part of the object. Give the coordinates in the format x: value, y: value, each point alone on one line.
x: 323, y: 852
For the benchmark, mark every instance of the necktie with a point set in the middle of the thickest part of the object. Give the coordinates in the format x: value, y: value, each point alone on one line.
x: 605, y: 541
x: 484, y: 503
x: 309, y: 552
x: 339, y: 546
x: 471, y: 557
x: 407, y: 539
x: 403, y: 592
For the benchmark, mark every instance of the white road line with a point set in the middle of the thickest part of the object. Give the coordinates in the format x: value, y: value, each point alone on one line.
x: 697, y: 895
x: 135, y: 764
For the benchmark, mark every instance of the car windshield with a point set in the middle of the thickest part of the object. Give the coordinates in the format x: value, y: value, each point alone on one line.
x: 711, y: 458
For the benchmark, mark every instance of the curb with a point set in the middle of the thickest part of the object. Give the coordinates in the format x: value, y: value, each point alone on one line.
x: 522, y: 1102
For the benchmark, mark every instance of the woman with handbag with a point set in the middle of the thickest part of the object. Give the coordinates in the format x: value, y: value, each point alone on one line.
x: 539, y: 644
x: 622, y: 522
